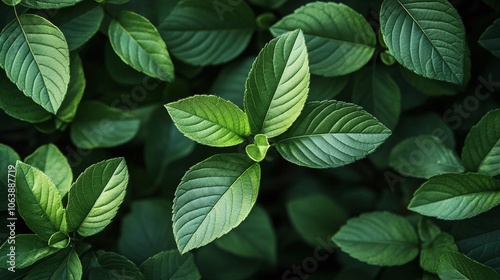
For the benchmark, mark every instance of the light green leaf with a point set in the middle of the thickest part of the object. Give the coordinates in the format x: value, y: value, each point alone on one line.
x: 331, y: 134
x: 153, y: 236
x: 11, y: 2
x: 168, y: 145
x: 79, y: 23
x: 379, y: 238
x: 315, y: 216
x: 29, y: 248
x: 59, y: 240
x: 258, y: 149
x: 170, y: 265
x: 253, y: 238
x: 39, y: 201
x: 95, y: 197
x: 38, y: 68
x: 65, y: 264
x: 18, y: 105
x: 481, y: 151
x: 424, y: 156
x: 455, y: 265
x: 225, y: 188
x: 54, y: 164
x: 456, y: 196
x: 277, y: 85
x: 76, y: 88
x: 339, y: 40
x: 427, y: 37
x: 378, y: 94
x: 430, y: 254
x: 114, y: 266
x: 8, y: 158
x: 201, y: 32
x: 97, y: 125
x: 490, y: 39
x: 137, y: 42
x: 210, y: 120
x: 48, y: 4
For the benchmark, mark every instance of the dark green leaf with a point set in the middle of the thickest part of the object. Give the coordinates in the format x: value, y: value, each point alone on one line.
x: 39, y: 201
x: 28, y: 249
x: 217, y: 184
x: 455, y: 265
x: 113, y: 266
x: 65, y: 264
x: 430, y: 254
x: 95, y: 197
x: 74, y: 95
x: 490, y: 39
x: 170, y: 265
x: 8, y: 158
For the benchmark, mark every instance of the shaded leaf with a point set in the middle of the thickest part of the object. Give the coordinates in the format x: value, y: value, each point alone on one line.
x: 170, y: 265
x: 455, y: 265
x: 490, y: 38
x: 29, y: 249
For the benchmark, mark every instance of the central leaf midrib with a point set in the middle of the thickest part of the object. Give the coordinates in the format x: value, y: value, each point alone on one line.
x: 298, y: 137
x: 210, y: 121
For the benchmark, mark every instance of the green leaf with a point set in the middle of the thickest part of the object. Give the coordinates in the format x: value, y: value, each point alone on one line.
x: 456, y: 196
x: 315, y: 216
x: 277, y: 85
x: 48, y: 4
x: 273, y: 4
x: 139, y: 44
x: 230, y: 82
x: 339, y: 40
x: 95, y: 197
x: 258, y: 149
x: 324, y: 88
x: 495, y: 4
x: 432, y: 253
x: 79, y: 23
x: 28, y: 248
x: 76, y: 88
x: 97, y: 125
x: 170, y: 265
x: 18, y: 105
x: 435, y: 27
x: 379, y: 238
x: 427, y: 230
x: 378, y: 94
x: 11, y: 2
x: 167, y: 145
x: 65, y: 264
x: 114, y: 266
x: 39, y: 201
x: 54, y: 164
x: 424, y: 156
x: 210, y: 40
x: 8, y: 158
x: 253, y: 238
x: 210, y: 120
x: 39, y: 69
x: 153, y: 236
x: 429, y: 86
x: 225, y: 188
x: 490, y: 39
x: 59, y: 240
x: 455, y: 265
x: 481, y: 151
x: 331, y: 134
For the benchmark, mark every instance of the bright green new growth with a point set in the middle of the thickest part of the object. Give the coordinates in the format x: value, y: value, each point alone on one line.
x: 38, y: 69
x: 137, y: 42
x: 257, y: 151
x: 431, y: 25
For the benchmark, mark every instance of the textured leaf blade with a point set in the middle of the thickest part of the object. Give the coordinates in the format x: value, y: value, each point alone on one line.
x: 378, y: 94
x: 277, y: 85
x: 339, y: 39
x: 170, y: 265
x: 39, y: 202
x: 51, y: 161
x: 430, y: 254
x: 48, y: 4
x: 424, y: 156
x: 331, y: 134
x: 456, y: 196
x: 96, y: 195
x: 379, y: 238
x: 210, y: 120
x: 39, y: 69
x: 29, y: 249
x: 211, y: 40
x: 425, y: 36
x: 481, y: 151
x: 225, y: 188
x: 65, y: 264
x: 455, y: 265
x: 114, y: 266
x: 139, y: 44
